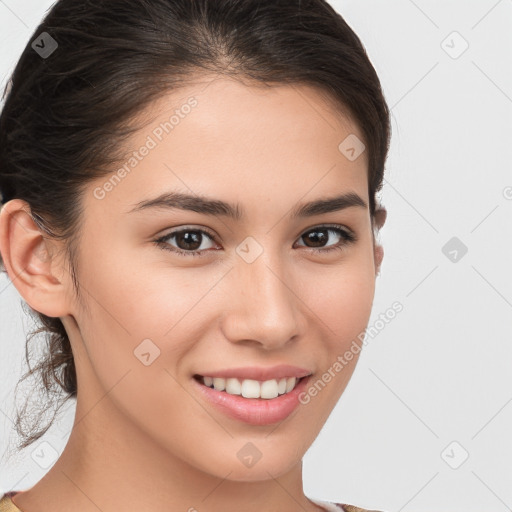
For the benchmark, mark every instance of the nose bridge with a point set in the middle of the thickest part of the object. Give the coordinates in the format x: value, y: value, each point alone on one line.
x: 263, y: 306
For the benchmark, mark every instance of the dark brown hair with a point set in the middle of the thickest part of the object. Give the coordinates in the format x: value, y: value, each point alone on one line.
x: 65, y: 115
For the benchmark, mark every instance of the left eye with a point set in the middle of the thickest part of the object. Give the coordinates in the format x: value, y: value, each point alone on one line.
x: 189, y: 240
x: 320, y: 235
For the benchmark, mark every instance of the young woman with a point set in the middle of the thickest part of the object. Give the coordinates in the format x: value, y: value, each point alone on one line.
x: 189, y: 208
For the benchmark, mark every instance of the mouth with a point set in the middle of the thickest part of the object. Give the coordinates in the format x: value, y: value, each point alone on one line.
x: 250, y: 388
x: 253, y: 402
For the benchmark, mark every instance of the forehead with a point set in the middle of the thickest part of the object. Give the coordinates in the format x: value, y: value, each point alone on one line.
x: 234, y: 109
x: 239, y: 142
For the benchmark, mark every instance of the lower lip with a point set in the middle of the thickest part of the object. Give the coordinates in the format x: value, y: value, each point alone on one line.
x: 256, y: 411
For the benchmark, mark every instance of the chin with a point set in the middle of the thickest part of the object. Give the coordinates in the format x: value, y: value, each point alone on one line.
x: 267, y: 466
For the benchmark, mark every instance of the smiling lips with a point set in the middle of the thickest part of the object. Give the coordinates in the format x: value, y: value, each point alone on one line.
x: 250, y: 388
x: 254, y: 382
x: 260, y: 396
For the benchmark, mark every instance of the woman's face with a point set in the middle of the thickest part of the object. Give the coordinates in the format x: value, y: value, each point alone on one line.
x: 271, y: 286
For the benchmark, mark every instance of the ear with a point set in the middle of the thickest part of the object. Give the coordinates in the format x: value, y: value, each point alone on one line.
x: 379, y: 220
x: 30, y: 261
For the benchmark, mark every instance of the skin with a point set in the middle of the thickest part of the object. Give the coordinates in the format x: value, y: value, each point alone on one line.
x: 143, y: 439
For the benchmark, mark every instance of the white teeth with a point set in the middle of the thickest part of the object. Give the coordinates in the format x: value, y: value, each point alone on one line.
x: 219, y: 383
x: 233, y: 386
x: 269, y: 389
x: 249, y: 388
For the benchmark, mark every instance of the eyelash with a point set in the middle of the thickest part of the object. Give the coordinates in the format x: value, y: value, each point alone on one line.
x: 348, y: 238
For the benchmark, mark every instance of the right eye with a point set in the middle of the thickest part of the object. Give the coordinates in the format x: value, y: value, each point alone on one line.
x: 190, y: 239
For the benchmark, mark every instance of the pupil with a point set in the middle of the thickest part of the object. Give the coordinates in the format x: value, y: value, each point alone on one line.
x: 190, y: 237
x: 317, y: 239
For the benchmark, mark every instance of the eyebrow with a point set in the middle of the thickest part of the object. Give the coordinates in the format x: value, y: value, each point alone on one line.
x: 216, y: 207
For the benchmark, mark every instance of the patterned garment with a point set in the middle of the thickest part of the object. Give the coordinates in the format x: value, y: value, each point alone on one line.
x: 335, y: 507
x: 6, y: 505
x: 352, y: 508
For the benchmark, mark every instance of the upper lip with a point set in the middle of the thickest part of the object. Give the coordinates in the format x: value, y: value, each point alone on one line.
x: 259, y: 373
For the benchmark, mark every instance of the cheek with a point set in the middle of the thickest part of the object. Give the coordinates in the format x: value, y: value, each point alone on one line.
x: 133, y: 303
x: 135, y: 296
x: 342, y: 297
x: 342, y: 304
x: 135, y: 338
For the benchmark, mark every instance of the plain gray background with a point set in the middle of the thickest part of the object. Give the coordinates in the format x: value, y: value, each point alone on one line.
x: 425, y: 423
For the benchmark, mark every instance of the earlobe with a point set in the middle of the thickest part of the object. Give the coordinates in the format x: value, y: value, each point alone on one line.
x: 28, y: 260
x: 379, y: 255
x: 379, y: 220
x: 380, y: 217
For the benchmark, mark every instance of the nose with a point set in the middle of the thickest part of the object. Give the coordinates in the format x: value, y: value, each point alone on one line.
x: 262, y: 307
